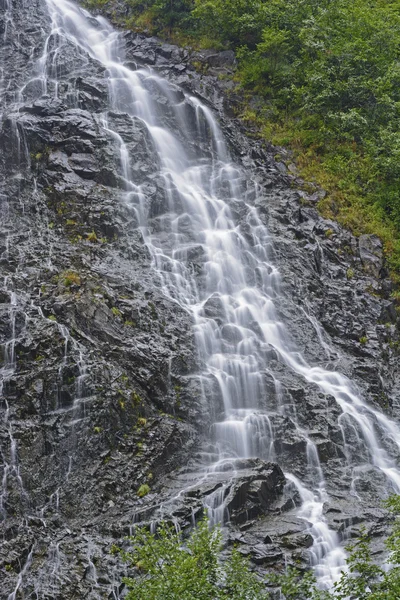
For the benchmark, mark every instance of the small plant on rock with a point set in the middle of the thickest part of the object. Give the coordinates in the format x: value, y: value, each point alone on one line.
x: 92, y: 237
x: 71, y: 278
x: 143, y: 490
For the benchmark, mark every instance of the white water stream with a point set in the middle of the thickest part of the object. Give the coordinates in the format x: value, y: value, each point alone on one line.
x: 233, y: 300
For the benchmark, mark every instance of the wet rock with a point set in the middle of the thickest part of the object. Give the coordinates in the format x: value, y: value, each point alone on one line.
x: 213, y: 308
x: 371, y: 254
x: 106, y: 396
x: 226, y: 58
x: 263, y: 554
x: 253, y: 491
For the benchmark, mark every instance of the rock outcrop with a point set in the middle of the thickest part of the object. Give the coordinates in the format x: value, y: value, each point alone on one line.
x: 100, y: 391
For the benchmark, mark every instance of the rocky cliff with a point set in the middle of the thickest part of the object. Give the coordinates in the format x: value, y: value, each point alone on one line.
x: 101, y: 386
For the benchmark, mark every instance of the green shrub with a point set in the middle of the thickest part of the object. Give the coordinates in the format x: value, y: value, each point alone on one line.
x: 171, y: 568
x: 327, y: 79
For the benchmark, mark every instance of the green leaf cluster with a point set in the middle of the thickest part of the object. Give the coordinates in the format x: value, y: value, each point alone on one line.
x: 326, y: 75
x: 170, y: 567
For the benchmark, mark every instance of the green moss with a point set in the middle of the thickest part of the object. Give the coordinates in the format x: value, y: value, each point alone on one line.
x: 71, y: 278
x: 129, y: 323
x: 153, y: 311
x: 136, y: 399
x: 92, y: 237
x: 143, y: 490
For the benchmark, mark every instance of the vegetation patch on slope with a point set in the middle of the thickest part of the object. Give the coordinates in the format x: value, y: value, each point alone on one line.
x: 326, y: 79
x: 168, y: 566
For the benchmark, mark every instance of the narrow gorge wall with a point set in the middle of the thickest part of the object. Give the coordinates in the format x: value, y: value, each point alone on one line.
x: 154, y: 332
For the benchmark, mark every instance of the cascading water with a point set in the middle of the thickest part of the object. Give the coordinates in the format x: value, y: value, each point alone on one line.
x: 233, y: 297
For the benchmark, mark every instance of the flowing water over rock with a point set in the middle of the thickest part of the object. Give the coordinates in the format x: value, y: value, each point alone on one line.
x: 150, y: 326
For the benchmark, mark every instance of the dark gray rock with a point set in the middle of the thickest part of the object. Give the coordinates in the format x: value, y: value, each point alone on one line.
x: 105, y: 397
x: 371, y: 254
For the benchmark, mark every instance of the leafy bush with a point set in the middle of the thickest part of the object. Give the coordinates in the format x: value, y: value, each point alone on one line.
x: 173, y: 568
x: 170, y: 568
x: 329, y: 76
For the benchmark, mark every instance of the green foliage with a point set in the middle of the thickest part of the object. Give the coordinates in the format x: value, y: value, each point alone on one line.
x: 92, y: 237
x: 143, y: 490
x: 171, y: 568
x: 71, y: 279
x: 365, y: 580
x: 233, y: 22
x: 159, y: 15
x: 95, y: 3
x: 327, y: 77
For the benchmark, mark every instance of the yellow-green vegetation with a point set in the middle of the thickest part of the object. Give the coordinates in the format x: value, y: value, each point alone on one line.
x: 92, y: 237
x: 136, y: 399
x: 129, y: 323
x: 319, y: 77
x: 70, y: 279
x: 143, y: 490
x: 95, y: 3
x: 116, y: 312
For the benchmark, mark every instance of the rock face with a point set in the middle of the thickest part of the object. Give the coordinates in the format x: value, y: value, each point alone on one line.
x: 371, y: 254
x: 99, y: 383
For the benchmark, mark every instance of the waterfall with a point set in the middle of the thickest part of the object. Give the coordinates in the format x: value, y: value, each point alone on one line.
x: 233, y: 298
